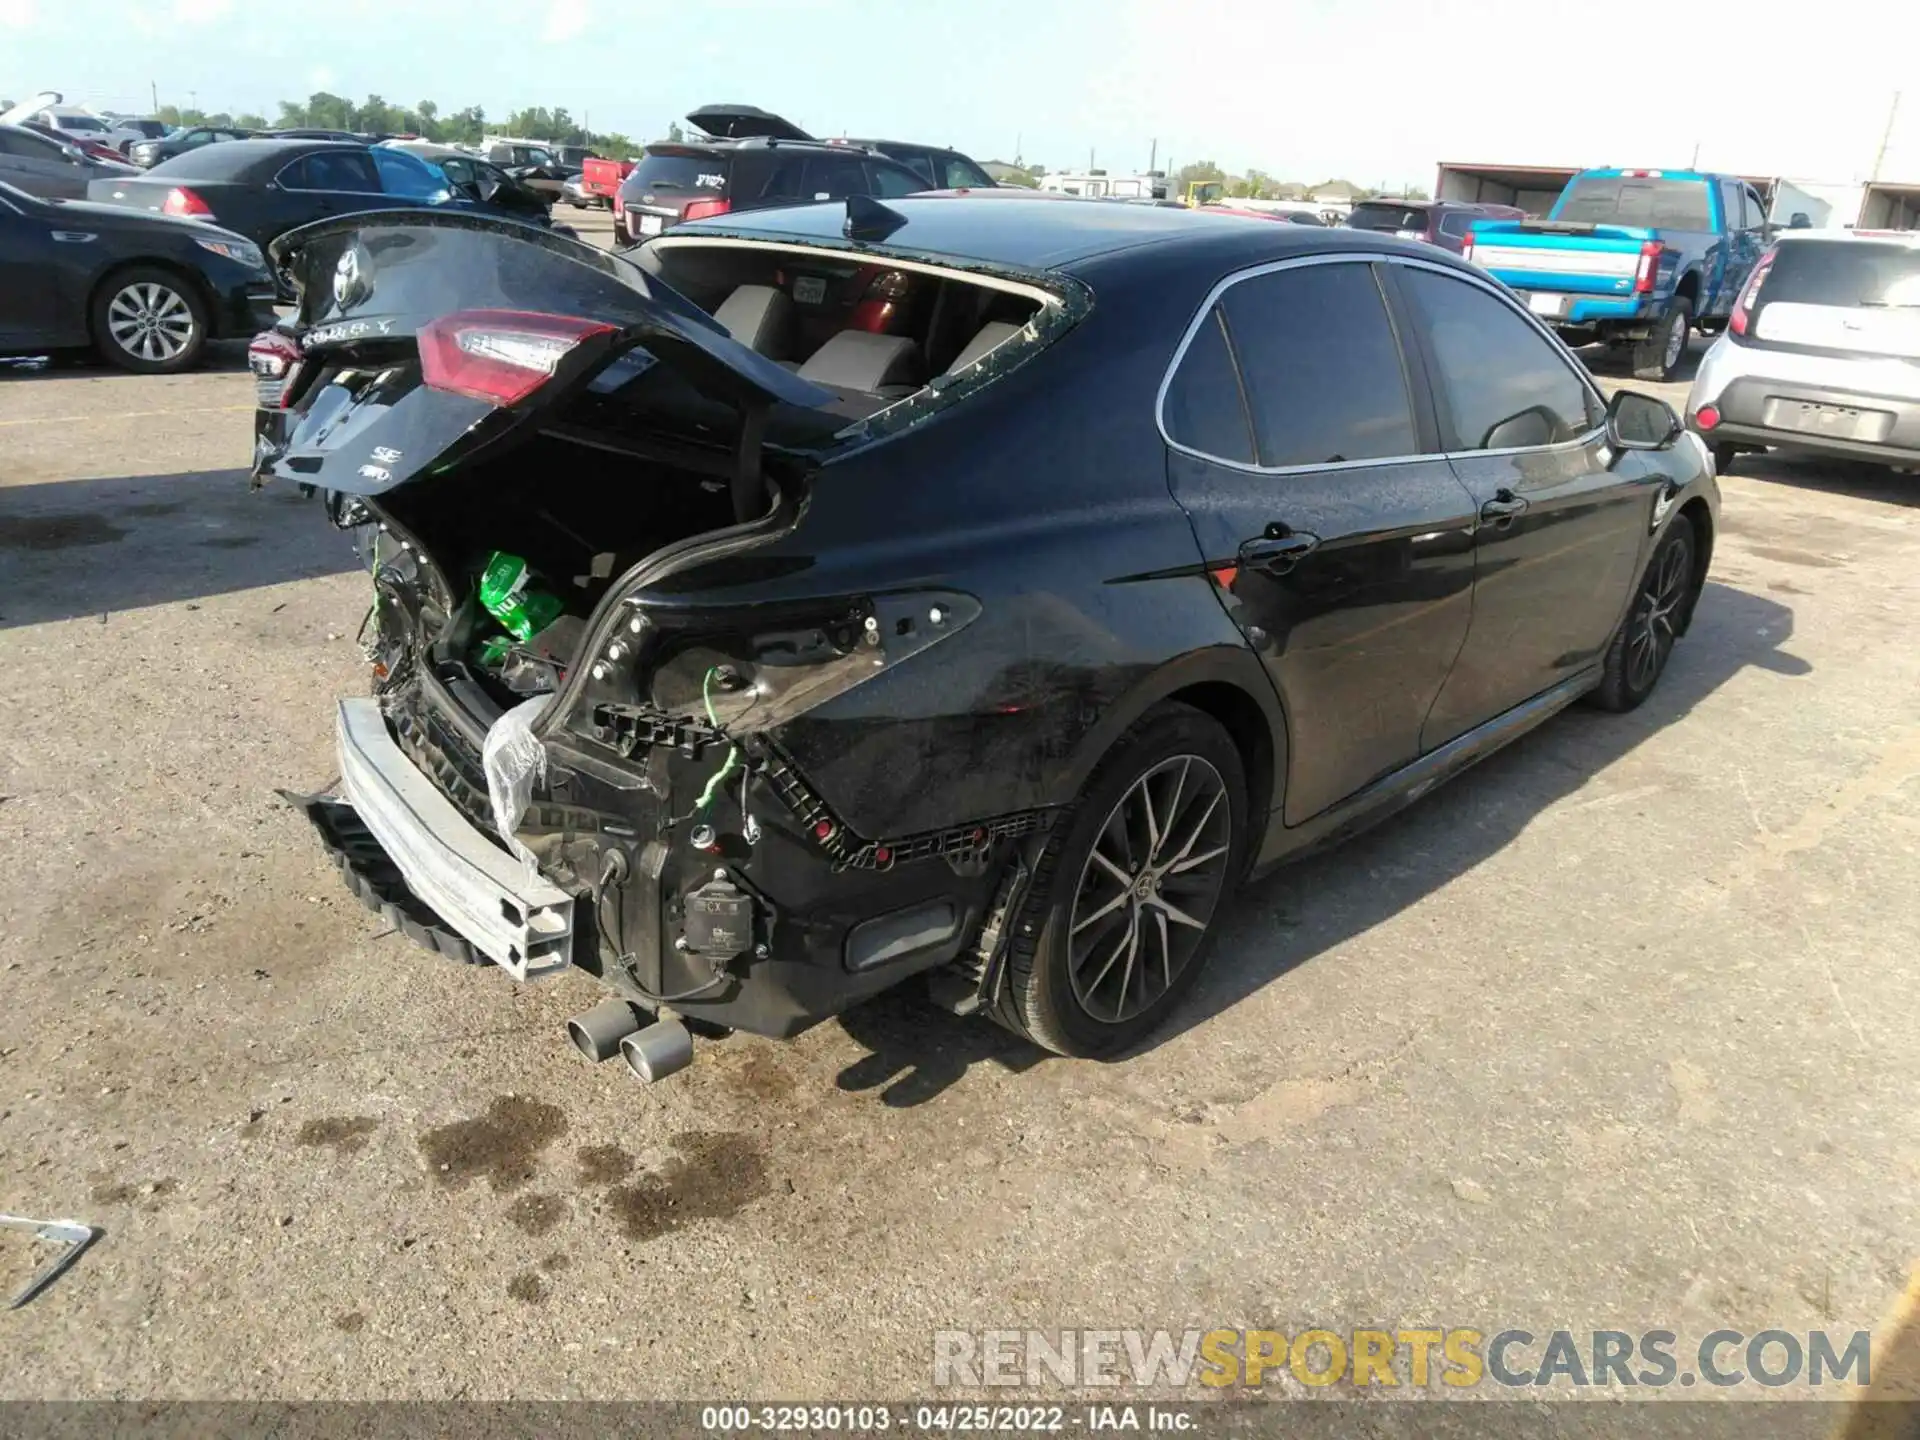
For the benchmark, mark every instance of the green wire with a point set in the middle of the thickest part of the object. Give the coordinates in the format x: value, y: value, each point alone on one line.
x: 733, y: 751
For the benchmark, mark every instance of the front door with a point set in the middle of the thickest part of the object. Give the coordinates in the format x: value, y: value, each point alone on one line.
x: 27, y: 294
x: 1563, y: 519
x: 1342, y: 542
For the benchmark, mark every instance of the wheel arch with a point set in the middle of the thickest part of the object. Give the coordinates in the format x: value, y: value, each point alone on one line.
x: 1698, y: 514
x: 1229, y: 685
x: 196, y: 282
x: 1689, y: 287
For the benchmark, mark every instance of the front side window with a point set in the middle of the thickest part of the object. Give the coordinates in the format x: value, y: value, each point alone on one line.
x: 1205, y: 410
x: 331, y: 170
x: 834, y: 177
x: 1321, y: 366
x: 1501, y: 385
x: 963, y: 174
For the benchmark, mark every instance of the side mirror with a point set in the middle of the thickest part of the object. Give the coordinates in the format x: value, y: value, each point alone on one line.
x: 1640, y: 422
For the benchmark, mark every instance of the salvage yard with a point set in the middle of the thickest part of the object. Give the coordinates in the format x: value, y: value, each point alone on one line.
x: 1618, y: 1029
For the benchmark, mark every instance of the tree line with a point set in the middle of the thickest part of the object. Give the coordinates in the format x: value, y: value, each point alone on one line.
x: 1258, y: 185
x: 375, y: 116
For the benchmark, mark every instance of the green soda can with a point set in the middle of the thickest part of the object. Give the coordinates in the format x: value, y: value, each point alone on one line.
x: 506, y: 591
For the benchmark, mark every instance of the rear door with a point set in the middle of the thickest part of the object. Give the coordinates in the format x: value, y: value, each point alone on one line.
x: 1562, y: 518
x: 331, y: 182
x: 28, y: 279
x: 1341, y: 541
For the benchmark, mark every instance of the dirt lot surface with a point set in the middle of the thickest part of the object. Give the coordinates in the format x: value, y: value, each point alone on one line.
x: 1617, y: 1030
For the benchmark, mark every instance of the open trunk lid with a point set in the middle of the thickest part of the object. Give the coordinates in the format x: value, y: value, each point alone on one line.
x: 741, y: 122
x: 424, y: 339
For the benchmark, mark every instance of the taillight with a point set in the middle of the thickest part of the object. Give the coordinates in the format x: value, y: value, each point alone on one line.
x: 700, y: 209
x: 1466, y: 246
x: 619, y: 205
x: 273, y: 358
x: 876, y: 310
x: 1742, y: 315
x: 182, y: 201
x: 1707, y: 417
x: 1649, y: 268
x: 500, y: 356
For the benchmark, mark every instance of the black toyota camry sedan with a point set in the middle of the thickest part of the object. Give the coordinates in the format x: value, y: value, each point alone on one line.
x: 146, y: 292
x: 977, y: 588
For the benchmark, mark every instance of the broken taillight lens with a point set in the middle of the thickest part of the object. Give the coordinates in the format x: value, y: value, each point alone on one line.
x: 701, y: 209
x: 500, y: 356
x: 273, y: 358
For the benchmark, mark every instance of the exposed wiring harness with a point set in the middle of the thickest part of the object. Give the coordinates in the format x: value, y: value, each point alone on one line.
x: 612, y: 880
x: 732, y: 761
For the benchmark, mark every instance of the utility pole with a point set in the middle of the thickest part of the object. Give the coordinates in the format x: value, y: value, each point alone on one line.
x: 154, y: 90
x: 1694, y: 164
x: 1886, y: 138
x: 1153, y: 155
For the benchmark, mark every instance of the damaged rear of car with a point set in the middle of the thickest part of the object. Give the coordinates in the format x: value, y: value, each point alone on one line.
x: 656, y: 686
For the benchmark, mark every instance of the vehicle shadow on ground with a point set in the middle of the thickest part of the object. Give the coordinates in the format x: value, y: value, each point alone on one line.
x: 1855, y: 478
x: 1604, y: 362
x: 1306, y: 909
x: 91, y: 547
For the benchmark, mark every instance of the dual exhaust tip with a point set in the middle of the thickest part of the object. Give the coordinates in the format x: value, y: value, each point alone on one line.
x: 652, y: 1051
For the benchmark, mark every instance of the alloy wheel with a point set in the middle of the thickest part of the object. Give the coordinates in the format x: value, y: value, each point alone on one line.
x: 1149, y: 888
x: 1651, y: 632
x: 1676, y: 340
x: 151, y: 321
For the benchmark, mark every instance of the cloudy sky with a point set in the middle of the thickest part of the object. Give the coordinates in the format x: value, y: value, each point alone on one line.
x: 1373, y: 90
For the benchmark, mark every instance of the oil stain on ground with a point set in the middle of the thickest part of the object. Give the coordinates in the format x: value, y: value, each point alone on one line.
x: 502, y: 1145
x: 345, y: 1134
x: 526, y: 1287
x: 603, y: 1164
x: 57, y: 532
x: 351, y: 1323
x: 713, y: 1176
x: 123, y: 1193
x: 536, y: 1214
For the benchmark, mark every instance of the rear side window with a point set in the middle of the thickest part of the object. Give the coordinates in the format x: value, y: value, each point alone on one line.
x: 29, y: 146
x: 338, y: 170
x: 408, y: 176
x: 890, y: 182
x: 1625, y: 200
x: 963, y: 174
x: 833, y: 177
x: 1321, y: 366
x: 1501, y: 385
x: 1205, y: 410
x: 1844, y: 272
x: 1387, y: 217
x: 701, y: 175
x: 1456, y: 224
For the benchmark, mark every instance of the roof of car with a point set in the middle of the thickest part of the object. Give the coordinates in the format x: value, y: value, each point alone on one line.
x: 231, y: 159
x: 1035, y: 234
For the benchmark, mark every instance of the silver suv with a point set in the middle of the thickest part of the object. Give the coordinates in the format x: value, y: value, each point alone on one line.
x: 1821, y: 353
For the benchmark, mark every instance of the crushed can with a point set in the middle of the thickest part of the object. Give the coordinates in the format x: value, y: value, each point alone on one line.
x: 507, y: 592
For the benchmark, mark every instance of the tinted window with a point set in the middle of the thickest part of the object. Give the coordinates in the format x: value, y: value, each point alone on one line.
x: 408, y: 175
x: 1321, y: 366
x: 1501, y: 384
x: 1756, y: 208
x: 704, y: 175
x: 1844, y: 272
x: 78, y: 123
x: 892, y: 181
x: 1388, y: 217
x: 918, y: 161
x: 1204, y: 409
x: 963, y: 174
x: 833, y: 177
x: 1622, y: 200
x: 1456, y: 223
x: 1730, y: 205
x: 331, y: 170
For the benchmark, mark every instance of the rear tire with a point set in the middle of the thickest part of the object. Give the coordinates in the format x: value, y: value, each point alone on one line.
x: 1658, y: 356
x: 148, y: 320
x: 1098, y: 959
x: 1638, y: 656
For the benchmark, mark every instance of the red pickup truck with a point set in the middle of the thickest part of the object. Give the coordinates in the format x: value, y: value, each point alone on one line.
x: 602, y: 178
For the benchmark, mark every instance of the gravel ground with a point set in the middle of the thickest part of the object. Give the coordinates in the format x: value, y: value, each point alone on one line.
x: 1617, y: 1030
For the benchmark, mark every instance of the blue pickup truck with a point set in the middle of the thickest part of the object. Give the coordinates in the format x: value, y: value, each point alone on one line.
x: 1632, y: 257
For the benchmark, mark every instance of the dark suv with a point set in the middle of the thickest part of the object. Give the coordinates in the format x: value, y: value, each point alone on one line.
x: 1438, y: 222
x: 941, y: 168
x: 747, y: 159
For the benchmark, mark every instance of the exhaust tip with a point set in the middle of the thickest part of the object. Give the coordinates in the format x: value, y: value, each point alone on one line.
x: 597, y: 1033
x: 661, y: 1049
